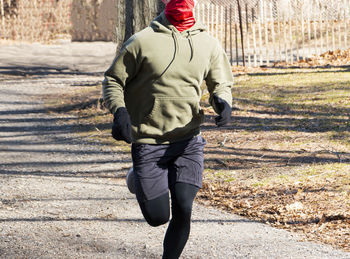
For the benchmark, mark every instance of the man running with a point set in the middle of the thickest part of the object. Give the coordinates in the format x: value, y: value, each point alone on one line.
x: 153, y: 90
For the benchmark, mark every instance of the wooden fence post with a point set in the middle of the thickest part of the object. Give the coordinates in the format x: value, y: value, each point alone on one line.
x: 273, y: 33
x: 236, y: 37
x: 260, y: 35
x: 231, y: 52
x: 212, y: 19
x: 2, y: 34
x: 303, y: 33
x: 254, y: 39
x: 208, y: 17
x: 339, y: 31
x: 321, y: 29
x: 279, y: 37
x: 217, y: 23
x: 266, y: 25
x: 315, y: 33
x: 297, y: 34
x: 241, y: 29
x: 309, y: 31
x: 247, y: 29
x: 290, y: 33
x: 345, y: 25
x: 197, y: 12
x: 327, y: 33
x: 285, y: 38
x: 333, y: 30
x: 333, y: 34
x: 222, y: 24
x: 225, y: 28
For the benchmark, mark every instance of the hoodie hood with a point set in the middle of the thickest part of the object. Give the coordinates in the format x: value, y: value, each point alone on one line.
x: 161, y: 24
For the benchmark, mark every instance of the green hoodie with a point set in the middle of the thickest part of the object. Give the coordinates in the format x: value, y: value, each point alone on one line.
x: 157, y: 76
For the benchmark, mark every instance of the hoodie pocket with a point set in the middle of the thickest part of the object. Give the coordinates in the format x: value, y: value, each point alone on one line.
x: 171, y: 117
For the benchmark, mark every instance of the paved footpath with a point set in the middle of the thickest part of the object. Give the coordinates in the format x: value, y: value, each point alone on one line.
x: 64, y: 196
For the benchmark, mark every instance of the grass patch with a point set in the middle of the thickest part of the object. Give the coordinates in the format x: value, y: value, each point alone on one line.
x: 89, y: 118
x: 289, y: 147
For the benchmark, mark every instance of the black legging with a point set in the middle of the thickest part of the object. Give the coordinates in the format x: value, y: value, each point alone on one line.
x: 157, y: 212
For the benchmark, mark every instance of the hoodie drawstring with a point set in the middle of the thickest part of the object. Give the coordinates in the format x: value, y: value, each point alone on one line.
x: 176, y: 43
x: 176, y: 46
x: 190, y: 40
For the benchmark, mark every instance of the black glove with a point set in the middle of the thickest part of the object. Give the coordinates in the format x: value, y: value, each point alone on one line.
x: 224, y: 111
x: 121, y: 129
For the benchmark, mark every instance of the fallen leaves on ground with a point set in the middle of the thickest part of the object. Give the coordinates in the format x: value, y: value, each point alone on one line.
x: 327, y: 59
x: 318, y: 209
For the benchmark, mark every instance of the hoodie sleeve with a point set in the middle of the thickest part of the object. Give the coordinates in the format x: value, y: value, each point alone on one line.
x: 219, y: 79
x: 122, y: 70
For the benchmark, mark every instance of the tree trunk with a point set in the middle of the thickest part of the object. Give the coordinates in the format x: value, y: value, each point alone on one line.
x: 129, y: 19
x: 137, y: 15
x: 161, y: 7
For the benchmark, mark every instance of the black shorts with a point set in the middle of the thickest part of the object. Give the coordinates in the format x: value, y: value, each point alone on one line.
x: 157, y: 167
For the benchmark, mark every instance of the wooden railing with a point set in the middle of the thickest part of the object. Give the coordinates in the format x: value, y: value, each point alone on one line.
x: 267, y: 33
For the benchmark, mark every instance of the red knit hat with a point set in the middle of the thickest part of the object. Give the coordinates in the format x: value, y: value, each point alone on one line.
x: 180, y: 13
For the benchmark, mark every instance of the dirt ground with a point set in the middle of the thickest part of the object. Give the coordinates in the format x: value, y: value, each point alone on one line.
x: 63, y: 195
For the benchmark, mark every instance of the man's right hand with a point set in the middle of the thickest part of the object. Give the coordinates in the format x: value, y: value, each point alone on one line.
x: 223, y: 109
x: 121, y: 129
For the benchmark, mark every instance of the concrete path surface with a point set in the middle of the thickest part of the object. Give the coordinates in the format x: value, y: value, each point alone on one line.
x: 64, y: 196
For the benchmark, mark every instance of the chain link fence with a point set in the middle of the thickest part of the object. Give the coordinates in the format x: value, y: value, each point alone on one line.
x: 56, y: 20
x: 24, y: 20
